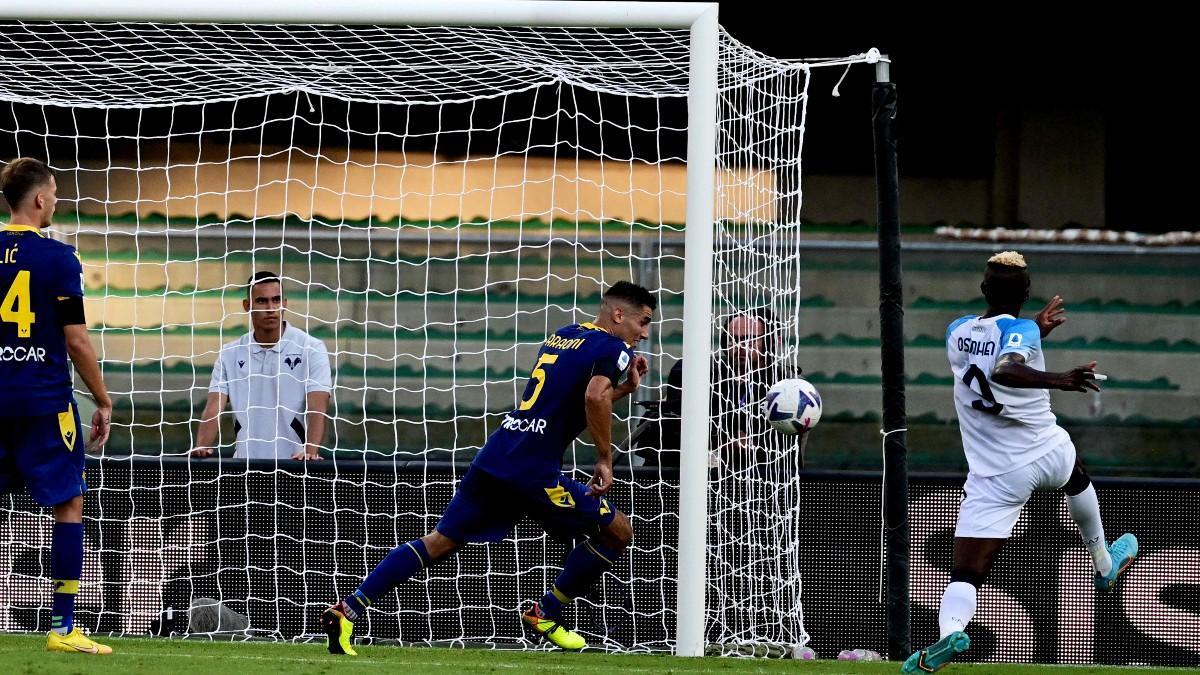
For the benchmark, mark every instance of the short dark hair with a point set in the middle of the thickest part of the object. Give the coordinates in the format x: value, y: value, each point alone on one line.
x: 262, y: 278
x: 631, y: 293
x: 20, y: 176
x: 1006, y: 281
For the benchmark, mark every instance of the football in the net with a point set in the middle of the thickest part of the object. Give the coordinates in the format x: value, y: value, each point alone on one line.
x: 793, y: 405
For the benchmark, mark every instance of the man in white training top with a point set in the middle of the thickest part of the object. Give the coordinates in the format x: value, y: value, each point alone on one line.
x: 277, y: 380
x: 1013, y: 446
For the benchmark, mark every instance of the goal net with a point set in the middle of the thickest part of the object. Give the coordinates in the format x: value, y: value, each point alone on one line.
x: 437, y: 200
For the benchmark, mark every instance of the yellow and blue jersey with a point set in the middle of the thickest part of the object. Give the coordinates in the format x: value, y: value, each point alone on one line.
x: 36, y: 274
x: 529, y: 444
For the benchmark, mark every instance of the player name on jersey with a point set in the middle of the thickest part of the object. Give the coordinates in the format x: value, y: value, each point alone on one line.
x: 975, y: 347
x: 560, y: 343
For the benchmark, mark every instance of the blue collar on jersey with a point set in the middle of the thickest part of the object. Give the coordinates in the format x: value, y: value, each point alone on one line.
x: 16, y: 227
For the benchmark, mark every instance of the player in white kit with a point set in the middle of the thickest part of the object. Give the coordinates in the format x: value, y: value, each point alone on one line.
x: 1013, y: 446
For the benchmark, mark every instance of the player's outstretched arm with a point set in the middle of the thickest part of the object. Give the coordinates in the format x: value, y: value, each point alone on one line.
x: 83, y: 355
x: 598, y: 407
x: 1012, y: 371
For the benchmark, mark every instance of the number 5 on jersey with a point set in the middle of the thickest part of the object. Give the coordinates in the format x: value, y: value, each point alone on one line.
x: 538, y: 374
x: 17, y: 305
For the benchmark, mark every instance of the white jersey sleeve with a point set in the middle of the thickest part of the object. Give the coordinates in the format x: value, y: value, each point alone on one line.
x: 1002, y: 428
x: 1021, y: 336
x: 320, y: 377
x: 218, y: 384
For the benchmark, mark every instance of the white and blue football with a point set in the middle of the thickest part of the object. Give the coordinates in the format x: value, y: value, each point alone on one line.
x: 793, y: 406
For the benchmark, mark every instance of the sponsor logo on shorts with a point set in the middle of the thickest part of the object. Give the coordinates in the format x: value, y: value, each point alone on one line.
x: 559, y: 496
x: 66, y: 427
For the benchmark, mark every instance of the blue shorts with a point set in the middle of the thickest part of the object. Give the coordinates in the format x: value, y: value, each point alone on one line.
x: 45, y: 453
x: 486, y: 508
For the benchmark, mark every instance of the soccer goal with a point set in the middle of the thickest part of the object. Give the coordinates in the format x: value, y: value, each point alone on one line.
x: 439, y: 185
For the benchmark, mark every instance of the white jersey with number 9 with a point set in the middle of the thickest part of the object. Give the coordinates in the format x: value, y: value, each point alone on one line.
x: 1002, y: 428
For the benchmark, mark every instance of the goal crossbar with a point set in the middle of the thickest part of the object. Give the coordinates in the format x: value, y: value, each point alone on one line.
x: 405, y: 12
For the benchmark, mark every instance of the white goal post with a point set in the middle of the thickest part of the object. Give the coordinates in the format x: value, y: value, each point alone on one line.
x: 735, y: 199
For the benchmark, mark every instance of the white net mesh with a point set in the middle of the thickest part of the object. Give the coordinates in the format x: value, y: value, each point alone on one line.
x: 437, y: 200
x: 754, y: 504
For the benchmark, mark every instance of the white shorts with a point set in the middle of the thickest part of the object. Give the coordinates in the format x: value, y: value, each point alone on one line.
x: 991, y: 506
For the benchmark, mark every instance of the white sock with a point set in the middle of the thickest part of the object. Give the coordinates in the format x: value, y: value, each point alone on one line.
x: 958, y: 606
x: 1085, y: 510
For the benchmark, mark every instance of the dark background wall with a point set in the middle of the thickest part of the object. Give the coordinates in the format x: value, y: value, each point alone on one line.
x: 1013, y: 114
x: 1069, y: 115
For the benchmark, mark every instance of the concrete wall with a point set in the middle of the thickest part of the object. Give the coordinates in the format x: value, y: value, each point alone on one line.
x: 1061, y: 167
x: 417, y: 186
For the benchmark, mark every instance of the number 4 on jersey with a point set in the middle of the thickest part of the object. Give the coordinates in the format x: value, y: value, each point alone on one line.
x: 17, y: 305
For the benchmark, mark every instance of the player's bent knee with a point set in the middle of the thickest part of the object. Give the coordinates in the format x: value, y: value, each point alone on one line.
x: 70, y: 511
x: 439, y: 545
x: 619, y: 533
x: 1078, y: 482
x: 973, y: 577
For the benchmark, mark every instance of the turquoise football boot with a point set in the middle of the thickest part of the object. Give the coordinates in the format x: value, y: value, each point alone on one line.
x: 1123, y: 551
x: 937, y: 655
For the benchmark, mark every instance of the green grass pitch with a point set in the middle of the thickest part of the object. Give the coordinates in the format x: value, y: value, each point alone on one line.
x: 26, y: 654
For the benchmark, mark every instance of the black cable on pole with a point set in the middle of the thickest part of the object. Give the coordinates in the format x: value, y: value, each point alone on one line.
x: 891, y: 338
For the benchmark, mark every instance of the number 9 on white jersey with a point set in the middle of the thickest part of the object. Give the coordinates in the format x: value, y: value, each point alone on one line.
x: 1002, y: 428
